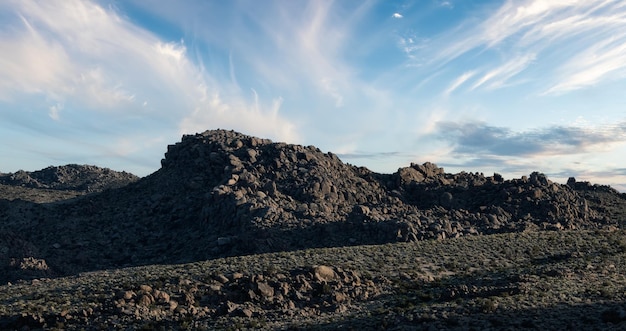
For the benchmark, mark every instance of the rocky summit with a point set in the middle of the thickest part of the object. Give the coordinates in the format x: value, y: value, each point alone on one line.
x: 222, y: 194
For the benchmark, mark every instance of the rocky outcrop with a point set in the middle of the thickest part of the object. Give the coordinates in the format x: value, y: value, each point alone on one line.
x: 222, y: 193
x: 257, y: 184
x: 300, y: 292
x: 70, y: 177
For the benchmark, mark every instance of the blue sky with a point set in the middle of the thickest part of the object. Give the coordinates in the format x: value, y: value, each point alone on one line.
x: 489, y: 86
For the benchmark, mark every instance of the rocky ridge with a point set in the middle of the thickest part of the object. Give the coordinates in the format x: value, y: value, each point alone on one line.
x: 72, y: 177
x: 222, y: 193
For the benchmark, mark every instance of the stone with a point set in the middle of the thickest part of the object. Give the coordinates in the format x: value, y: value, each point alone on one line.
x: 29, y: 263
x: 446, y: 199
x: 270, y: 188
x: 246, y: 312
x: 230, y: 307
x: 145, y: 288
x: 127, y: 295
x: 340, y: 297
x: 409, y: 175
x: 221, y: 278
x: 236, y: 276
x: 145, y: 299
x: 161, y: 296
x: 324, y: 273
x: 571, y: 182
x: 265, y: 289
x: 252, y: 155
x: 361, y: 210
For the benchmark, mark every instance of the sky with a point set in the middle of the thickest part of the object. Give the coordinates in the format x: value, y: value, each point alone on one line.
x: 489, y: 86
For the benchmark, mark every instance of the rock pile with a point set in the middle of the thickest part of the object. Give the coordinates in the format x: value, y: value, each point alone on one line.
x: 72, y: 177
x: 296, y: 294
x: 222, y: 193
x: 304, y: 292
x: 297, y: 196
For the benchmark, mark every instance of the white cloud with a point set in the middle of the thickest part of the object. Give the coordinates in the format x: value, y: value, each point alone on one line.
x: 604, y: 60
x: 68, y: 49
x: 54, y: 111
x: 584, y: 40
x: 330, y: 88
x: 446, y: 4
x: 93, y: 67
x: 499, y: 76
x: 299, y: 49
x: 459, y: 81
x: 30, y: 63
x: 100, y: 91
x: 252, y: 118
x: 172, y: 50
x: 397, y: 15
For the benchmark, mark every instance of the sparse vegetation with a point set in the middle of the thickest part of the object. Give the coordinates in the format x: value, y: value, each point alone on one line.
x: 561, y: 287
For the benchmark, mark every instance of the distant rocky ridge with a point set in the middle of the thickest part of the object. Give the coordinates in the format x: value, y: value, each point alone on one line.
x: 72, y: 177
x: 222, y: 193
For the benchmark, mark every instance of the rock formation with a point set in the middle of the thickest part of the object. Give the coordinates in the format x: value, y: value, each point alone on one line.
x: 222, y: 193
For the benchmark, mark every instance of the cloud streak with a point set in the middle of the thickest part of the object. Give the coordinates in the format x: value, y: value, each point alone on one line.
x: 458, y: 82
x: 584, y: 39
x: 499, y: 76
x: 604, y: 60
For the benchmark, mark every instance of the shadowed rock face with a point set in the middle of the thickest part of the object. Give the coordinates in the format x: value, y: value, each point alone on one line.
x: 222, y: 193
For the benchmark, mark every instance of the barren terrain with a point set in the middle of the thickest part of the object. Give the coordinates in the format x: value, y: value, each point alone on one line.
x: 238, y: 232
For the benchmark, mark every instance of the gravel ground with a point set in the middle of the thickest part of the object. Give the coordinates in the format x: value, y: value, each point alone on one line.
x: 542, y: 280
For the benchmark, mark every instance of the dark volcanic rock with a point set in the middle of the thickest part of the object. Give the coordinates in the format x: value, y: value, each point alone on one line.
x: 223, y: 193
x: 70, y: 177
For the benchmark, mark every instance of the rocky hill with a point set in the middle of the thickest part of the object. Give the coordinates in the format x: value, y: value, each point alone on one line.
x: 222, y: 193
x: 72, y: 177
x: 272, y: 229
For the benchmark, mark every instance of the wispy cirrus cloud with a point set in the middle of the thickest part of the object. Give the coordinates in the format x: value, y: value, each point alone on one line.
x: 82, y: 65
x: 459, y: 81
x: 308, y: 51
x: 573, y: 44
x: 498, y: 77
x: 604, y: 60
